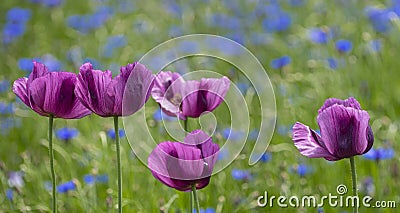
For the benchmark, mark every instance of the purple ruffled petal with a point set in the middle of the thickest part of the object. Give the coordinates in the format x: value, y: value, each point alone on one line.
x: 344, y: 130
x: 309, y: 143
x: 350, y: 102
x: 19, y: 88
x: 214, y: 90
x: 92, y: 90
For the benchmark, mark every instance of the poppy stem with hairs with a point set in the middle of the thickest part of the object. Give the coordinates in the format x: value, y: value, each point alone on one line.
x: 117, y: 144
x: 51, y: 155
x: 354, y: 179
x: 196, y: 199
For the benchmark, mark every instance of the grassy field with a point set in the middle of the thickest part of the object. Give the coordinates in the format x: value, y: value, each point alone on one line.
x: 110, y: 34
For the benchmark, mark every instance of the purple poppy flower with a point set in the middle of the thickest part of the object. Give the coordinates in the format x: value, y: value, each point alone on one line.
x: 182, y: 165
x: 103, y: 95
x: 50, y: 93
x: 181, y: 98
x: 345, y: 131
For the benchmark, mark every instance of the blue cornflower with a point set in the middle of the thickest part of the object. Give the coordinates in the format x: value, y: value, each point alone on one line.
x: 11, y: 31
x: 159, y: 115
x: 319, y: 36
x: 379, y: 154
x: 278, y: 21
x: 51, y: 62
x: 207, y: 210
x: 15, y: 179
x: 233, y: 134
x: 25, y: 64
x: 332, y: 63
x: 96, y: 64
x: 379, y: 19
x: 278, y: 63
x: 10, y: 194
x: 89, y: 179
x: 102, y: 178
x: 189, y: 46
x: 18, y: 15
x: 52, y: 3
x: 368, y: 186
x: 65, y: 187
x: 66, y: 133
x: 4, y: 86
x: 253, y: 134
x: 113, y: 42
x: 303, y: 169
x: 111, y: 133
x: 343, y: 46
x: 224, y: 21
x: 6, y: 108
x: 173, y: 7
x: 264, y: 157
x: 239, y: 174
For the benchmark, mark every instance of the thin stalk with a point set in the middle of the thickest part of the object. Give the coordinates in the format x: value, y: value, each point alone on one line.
x: 53, y: 174
x: 354, y: 179
x: 196, y: 199
x: 117, y: 144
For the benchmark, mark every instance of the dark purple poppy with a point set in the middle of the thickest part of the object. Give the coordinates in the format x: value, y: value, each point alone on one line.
x: 50, y: 93
x: 345, y: 131
x: 188, y: 98
x: 183, y: 165
x: 103, y: 95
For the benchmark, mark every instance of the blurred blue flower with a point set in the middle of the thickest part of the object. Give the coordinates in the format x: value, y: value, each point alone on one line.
x: 113, y: 42
x: 379, y: 154
x: 4, y: 86
x: 264, y: 157
x: 86, y: 23
x: 102, y: 178
x: 25, y: 64
x: 224, y: 21
x: 379, y: 19
x: 375, y: 45
x: 66, y: 133
x: 6, y: 108
x: 284, y: 130
x: 189, y: 46
x: 111, y: 133
x: 10, y: 194
x: 303, y: 169
x: 239, y: 174
x: 207, y: 210
x: 65, y: 187
x: 343, y: 46
x: 278, y: 21
x: 15, y: 179
x: 332, y: 63
x: 233, y: 134
x: 253, y: 134
x: 52, y: 3
x: 89, y: 179
x: 278, y: 63
x: 51, y: 62
x: 96, y: 64
x: 319, y: 36
x: 173, y: 8
x: 159, y: 115
x: 11, y: 31
x: 18, y: 15
x: 175, y: 31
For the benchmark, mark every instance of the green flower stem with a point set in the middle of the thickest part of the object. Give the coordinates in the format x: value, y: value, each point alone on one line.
x: 117, y: 143
x: 185, y: 125
x: 196, y: 199
x: 354, y: 179
x: 53, y: 174
x: 191, y: 201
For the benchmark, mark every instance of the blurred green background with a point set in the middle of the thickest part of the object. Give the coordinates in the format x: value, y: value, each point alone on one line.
x: 312, y: 50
